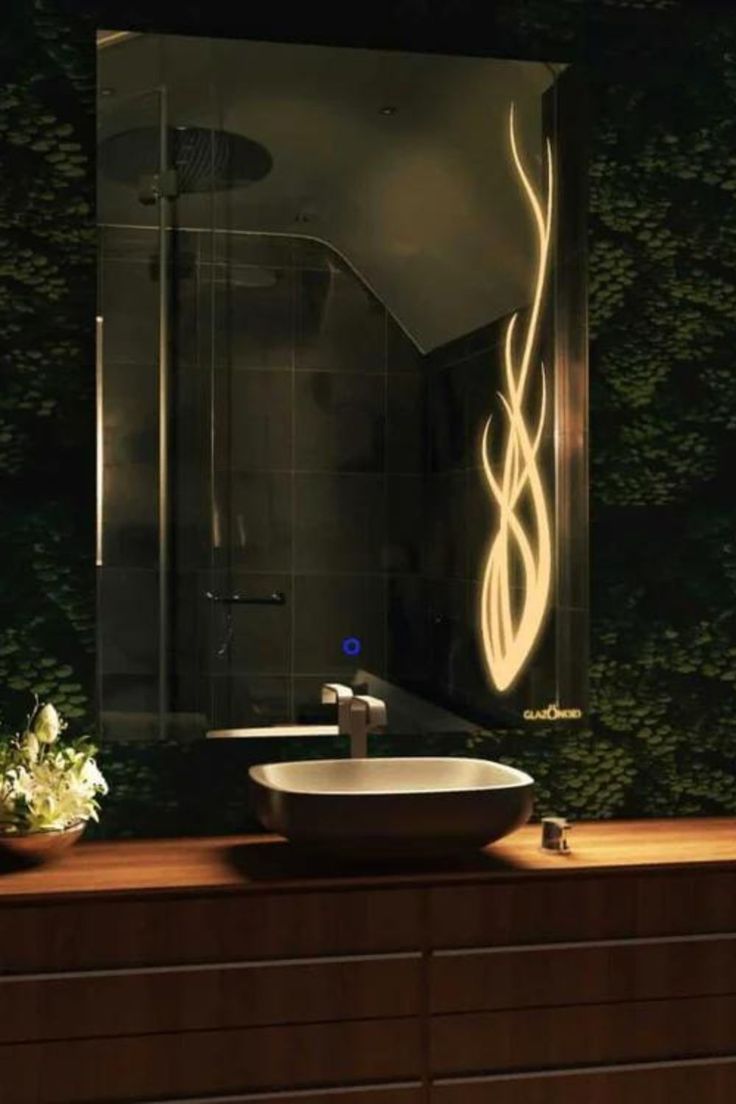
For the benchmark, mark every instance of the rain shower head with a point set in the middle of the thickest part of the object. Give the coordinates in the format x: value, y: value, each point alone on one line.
x: 204, y: 159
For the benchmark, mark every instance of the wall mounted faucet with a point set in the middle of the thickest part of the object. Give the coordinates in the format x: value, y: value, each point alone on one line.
x: 367, y: 714
x: 357, y: 715
x: 335, y: 693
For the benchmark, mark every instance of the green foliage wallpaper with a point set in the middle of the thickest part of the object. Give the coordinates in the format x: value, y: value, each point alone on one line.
x: 662, y: 240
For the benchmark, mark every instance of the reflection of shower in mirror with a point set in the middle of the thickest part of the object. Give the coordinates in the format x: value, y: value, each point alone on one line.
x: 349, y: 252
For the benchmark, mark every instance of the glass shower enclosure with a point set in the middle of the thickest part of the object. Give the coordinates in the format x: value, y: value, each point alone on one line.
x: 152, y: 365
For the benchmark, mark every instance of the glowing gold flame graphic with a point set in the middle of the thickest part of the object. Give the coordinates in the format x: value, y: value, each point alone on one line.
x: 509, y: 629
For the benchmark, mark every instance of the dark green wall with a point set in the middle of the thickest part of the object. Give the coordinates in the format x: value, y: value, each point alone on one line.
x: 662, y: 241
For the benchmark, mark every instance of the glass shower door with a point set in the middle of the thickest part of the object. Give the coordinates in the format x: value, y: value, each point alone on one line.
x: 135, y: 197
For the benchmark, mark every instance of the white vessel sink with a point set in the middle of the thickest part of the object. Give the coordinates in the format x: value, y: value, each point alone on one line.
x: 427, y: 803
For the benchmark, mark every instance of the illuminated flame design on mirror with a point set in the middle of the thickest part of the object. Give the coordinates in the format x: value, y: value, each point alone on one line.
x: 511, y: 618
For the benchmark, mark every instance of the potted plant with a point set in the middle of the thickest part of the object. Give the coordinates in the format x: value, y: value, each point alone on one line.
x: 48, y: 788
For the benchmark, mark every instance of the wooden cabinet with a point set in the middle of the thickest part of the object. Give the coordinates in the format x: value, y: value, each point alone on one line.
x: 177, y: 977
x: 708, y: 1082
x: 204, y: 998
x: 619, y: 904
x: 135, y: 1068
x: 97, y: 932
x: 597, y: 1034
x: 504, y: 978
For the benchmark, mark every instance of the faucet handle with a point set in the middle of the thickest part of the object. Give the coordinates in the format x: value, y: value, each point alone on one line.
x: 371, y: 710
x: 335, y: 692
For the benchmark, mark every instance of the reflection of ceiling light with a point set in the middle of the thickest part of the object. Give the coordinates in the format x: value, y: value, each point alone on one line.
x: 107, y: 91
x: 389, y: 109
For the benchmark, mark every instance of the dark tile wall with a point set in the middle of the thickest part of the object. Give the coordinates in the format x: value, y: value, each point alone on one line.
x: 310, y: 398
x: 297, y: 466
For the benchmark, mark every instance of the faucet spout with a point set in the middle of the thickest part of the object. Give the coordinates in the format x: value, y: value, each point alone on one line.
x: 335, y: 693
x: 367, y: 714
x: 357, y: 715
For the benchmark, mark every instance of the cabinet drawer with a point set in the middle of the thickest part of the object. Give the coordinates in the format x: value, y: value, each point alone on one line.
x: 142, y: 1001
x: 556, y: 974
x: 147, y: 1068
x: 542, y: 910
x: 91, y: 934
x: 682, y: 1083
x: 550, y: 1038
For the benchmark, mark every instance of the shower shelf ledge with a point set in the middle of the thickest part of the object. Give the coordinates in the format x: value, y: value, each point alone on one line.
x: 269, y: 732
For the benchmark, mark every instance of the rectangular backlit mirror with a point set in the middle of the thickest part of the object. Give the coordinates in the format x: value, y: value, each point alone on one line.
x: 342, y: 387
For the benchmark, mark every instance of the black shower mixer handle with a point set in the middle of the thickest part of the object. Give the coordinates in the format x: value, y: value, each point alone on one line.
x: 276, y: 598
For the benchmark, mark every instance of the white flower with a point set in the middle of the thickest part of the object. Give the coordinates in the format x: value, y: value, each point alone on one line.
x: 31, y: 746
x: 47, y: 725
x: 46, y: 785
x: 93, y: 778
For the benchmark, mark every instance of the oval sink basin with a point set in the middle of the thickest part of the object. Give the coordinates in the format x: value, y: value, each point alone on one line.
x: 388, y: 804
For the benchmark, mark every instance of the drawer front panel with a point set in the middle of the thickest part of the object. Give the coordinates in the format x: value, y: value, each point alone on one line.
x: 195, y: 999
x: 680, y: 1084
x: 542, y: 910
x: 489, y: 1042
x: 155, y: 1067
x: 97, y: 934
x: 555, y: 975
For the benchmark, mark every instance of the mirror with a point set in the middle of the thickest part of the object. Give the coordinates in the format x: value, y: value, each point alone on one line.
x: 342, y: 387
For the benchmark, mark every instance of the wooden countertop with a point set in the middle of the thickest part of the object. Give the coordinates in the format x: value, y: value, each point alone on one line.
x: 226, y: 864
x: 236, y: 863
